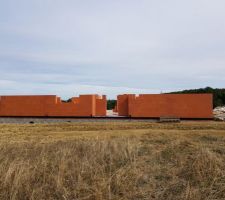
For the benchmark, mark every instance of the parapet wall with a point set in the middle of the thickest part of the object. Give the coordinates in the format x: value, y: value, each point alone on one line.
x: 144, y: 105
x: 166, y: 105
x: 52, y: 106
x: 101, y: 106
x: 123, y: 104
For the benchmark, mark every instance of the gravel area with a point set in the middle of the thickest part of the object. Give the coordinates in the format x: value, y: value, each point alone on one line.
x: 219, y: 113
x: 31, y: 120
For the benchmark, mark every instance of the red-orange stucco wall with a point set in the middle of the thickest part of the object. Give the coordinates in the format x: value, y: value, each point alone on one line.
x: 122, y: 104
x: 51, y: 105
x: 101, y: 106
x: 115, y: 108
x: 168, y: 105
x: 23, y: 105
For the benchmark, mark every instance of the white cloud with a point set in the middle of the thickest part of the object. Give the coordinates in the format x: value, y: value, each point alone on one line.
x: 111, y: 46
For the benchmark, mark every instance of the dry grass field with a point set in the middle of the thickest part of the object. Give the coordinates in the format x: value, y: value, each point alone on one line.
x: 112, y: 160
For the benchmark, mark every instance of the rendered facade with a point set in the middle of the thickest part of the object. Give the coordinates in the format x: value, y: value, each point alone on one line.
x: 189, y: 106
x: 52, y: 106
x: 166, y: 105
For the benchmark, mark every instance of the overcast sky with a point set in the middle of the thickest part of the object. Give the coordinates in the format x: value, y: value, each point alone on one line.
x: 71, y: 47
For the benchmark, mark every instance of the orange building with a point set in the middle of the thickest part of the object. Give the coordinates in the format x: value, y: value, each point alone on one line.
x: 52, y: 106
x: 166, y: 105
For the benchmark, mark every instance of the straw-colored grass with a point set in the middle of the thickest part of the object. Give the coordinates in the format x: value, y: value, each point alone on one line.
x: 113, y: 160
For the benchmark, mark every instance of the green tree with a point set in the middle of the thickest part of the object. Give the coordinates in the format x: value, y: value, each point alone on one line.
x: 111, y: 104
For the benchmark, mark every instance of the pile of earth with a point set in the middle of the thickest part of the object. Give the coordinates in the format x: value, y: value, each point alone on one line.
x: 219, y: 113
